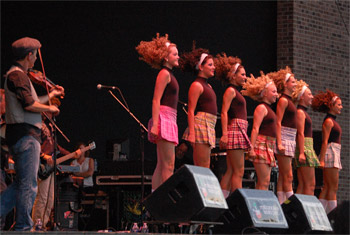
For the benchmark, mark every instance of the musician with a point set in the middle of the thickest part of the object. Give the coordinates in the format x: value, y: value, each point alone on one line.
x: 23, y: 130
x: 183, y: 154
x: 44, y: 200
x: 87, y: 168
x: 3, y: 185
x: 4, y: 153
x: 2, y: 106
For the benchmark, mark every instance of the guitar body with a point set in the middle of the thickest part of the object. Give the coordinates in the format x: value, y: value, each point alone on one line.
x: 45, y: 170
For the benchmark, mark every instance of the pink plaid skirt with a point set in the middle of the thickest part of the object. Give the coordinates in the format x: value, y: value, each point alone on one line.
x: 204, y: 127
x: 167, y: 127
x: 288, y: 141
x: 264, y: 150
x: 237, y: 135
x: 332, y: 157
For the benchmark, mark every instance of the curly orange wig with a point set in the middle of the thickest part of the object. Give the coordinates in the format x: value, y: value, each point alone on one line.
x: 225, y: 66
x: 279, y: 78
x: 189, y: 60
x: 298, y: 90
x: 323, y: 101
x: 154, y: 52
x: 253, y: 87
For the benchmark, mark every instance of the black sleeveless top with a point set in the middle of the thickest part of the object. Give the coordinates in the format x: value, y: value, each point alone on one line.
x: 207, y: 100
x: 308, y: 122
x: 268, y: 124
x: 290, y: 114
x: 335, y: 135
x: 238, y: 108
x: 171, y: 93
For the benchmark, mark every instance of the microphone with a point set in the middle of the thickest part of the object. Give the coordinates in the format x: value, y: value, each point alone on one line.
x: 99, y: 87
x: 183, y: 103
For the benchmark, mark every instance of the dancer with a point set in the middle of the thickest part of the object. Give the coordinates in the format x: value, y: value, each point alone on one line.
x: 330, y: 103
x: 23, y: 130
x: 202, y: 108
x: 286, y: 114
x: 305, y: 157
x: 263, y: 135
x: 230, y: 71
x: 161, y: 54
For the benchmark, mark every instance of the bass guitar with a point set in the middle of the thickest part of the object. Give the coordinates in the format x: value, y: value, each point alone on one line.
x: 45, y: 169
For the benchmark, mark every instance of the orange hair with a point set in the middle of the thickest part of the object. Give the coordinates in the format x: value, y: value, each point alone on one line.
x: 253, y: 87
x: 224, y: 66
x: 298, y: 89
x: 154, y: 52
x: 323, y: 101
x: 189, y: 60
x: 279, y: 78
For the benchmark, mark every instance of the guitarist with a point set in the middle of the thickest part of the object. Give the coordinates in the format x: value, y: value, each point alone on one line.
x: 44, y: 200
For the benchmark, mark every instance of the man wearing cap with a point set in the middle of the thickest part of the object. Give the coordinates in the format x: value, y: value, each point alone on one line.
x: 23, y: 131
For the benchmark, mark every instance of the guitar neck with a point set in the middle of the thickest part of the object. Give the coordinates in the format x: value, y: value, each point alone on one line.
x: 70, y: 155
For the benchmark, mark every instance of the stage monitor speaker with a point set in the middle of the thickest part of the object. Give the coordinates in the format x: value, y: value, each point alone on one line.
x: 192, y: 194
x: 305, y: 214
x: 252, y: 208
x: 339, y: 218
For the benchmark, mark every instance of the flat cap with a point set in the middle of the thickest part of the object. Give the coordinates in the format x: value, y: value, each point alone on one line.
x: 23, y: 46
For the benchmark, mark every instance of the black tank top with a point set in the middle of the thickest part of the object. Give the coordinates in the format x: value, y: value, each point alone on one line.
x: 268, y: 124
x: 308, y: 122
x: 171, y: 93
x: 207, y: 100
x: 335, y: 135
x: 238, y: 108
x: 290, y: 114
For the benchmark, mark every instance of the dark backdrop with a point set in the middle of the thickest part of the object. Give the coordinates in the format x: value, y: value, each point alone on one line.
x: 87, y: 43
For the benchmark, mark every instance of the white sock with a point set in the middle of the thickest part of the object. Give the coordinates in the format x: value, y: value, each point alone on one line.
x: 332, y: 204
x: 288, y: 194
x: 281, y: 197
x: 324, y: 203
x: 226, y: 193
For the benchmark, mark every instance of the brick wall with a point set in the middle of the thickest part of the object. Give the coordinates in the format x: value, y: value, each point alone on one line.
x: 313, y: 41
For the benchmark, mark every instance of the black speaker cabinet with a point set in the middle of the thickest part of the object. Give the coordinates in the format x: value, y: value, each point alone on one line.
x: 339, y: 218
x: 305, y: 214
x: 252, y: 208
x: 66, y: 216
x: 192, y: 194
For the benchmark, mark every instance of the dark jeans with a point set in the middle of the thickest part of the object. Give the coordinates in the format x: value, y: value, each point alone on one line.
x: 21, y: 193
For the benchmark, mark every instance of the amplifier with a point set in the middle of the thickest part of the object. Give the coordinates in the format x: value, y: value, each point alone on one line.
x: 67, y: 217
x: 123, y: 180
x: 109, y: 167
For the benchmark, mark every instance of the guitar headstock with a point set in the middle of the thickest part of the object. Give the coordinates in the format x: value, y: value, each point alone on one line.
x: 92, y: 145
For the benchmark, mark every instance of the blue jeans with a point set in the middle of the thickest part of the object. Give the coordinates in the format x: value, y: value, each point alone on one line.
x: 21, y: 193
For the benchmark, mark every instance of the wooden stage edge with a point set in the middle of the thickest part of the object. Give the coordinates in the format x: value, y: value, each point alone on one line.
x: 71, y: 232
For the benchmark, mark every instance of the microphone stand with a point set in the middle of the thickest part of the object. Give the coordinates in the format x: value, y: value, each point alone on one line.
x: 56, y: 225
x: 142, y: 132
